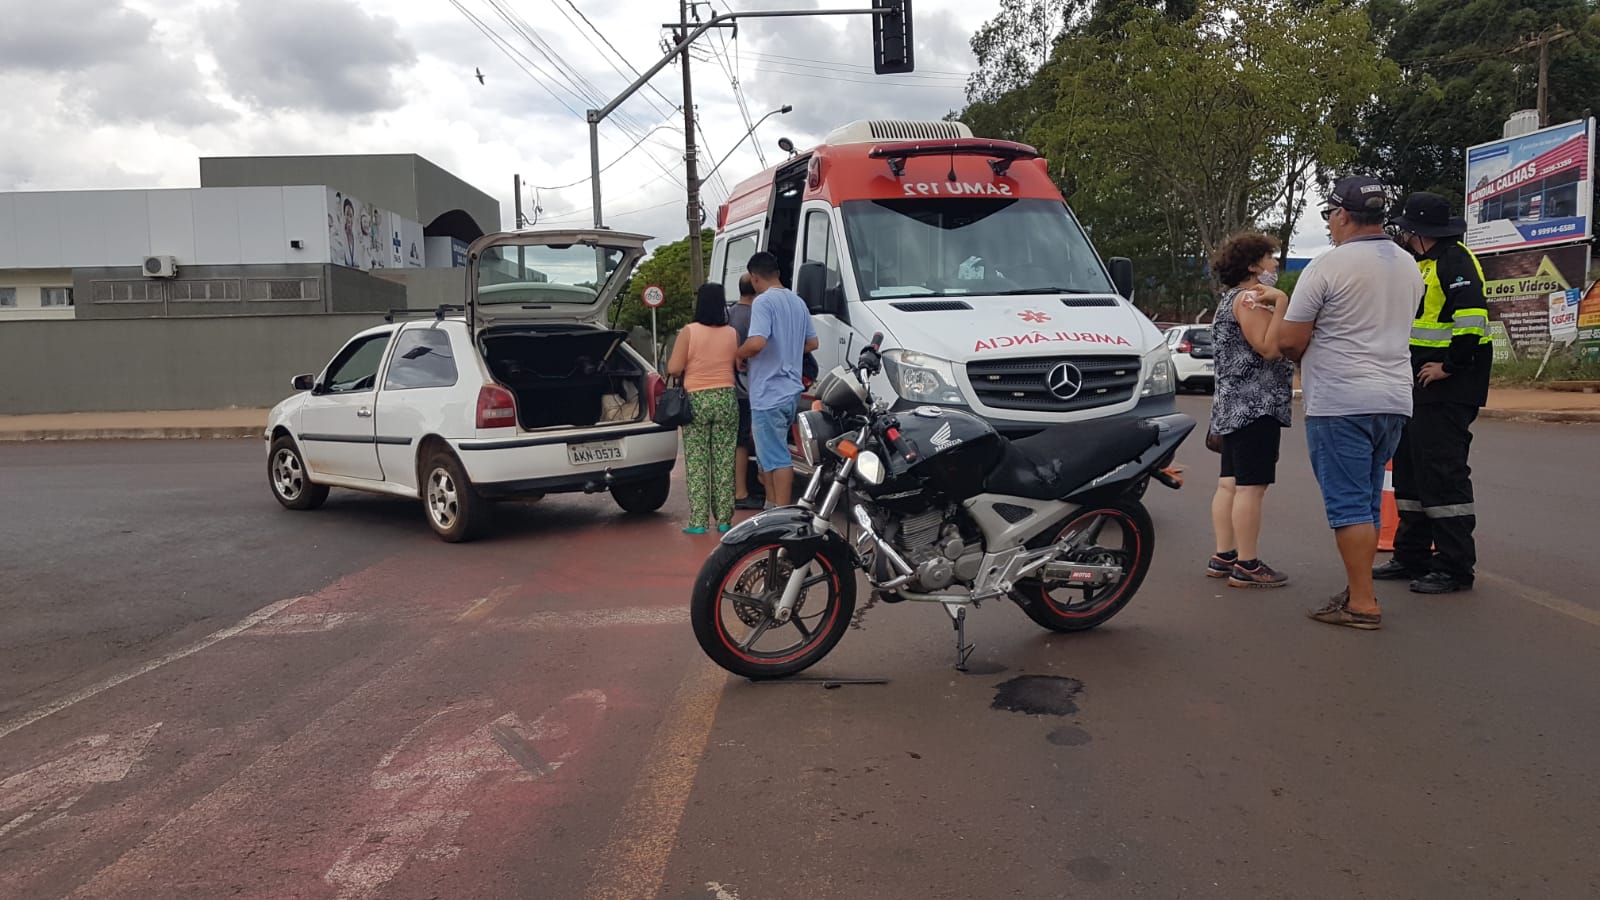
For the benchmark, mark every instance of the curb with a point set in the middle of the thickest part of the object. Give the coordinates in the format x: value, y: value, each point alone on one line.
x: 226, y: 432
x: 1562, y: 416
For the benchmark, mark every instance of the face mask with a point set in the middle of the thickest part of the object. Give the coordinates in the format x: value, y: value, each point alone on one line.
x: 1267, y: 279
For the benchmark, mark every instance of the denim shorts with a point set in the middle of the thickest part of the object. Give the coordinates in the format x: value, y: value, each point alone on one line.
x: 769, y: 429
x: 1348, y: 455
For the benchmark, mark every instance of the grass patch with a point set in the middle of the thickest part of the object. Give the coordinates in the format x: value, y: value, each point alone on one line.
x: 1563, y: 366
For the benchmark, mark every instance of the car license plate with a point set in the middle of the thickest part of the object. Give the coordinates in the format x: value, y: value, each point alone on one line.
x: 1211, y: 367
x: 595, y: 452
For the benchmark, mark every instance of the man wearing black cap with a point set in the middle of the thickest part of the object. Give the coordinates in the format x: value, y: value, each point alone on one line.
x: 1347, y: 325
x: 1451, y: 354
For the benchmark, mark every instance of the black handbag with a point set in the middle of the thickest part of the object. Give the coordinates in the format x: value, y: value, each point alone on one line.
x: 673, y: 409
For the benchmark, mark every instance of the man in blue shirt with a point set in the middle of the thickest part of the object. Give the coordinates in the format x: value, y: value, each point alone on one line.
x: 781, y: 334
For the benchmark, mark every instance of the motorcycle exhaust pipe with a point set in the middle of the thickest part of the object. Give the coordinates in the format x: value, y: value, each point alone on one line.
x: 895, y: 559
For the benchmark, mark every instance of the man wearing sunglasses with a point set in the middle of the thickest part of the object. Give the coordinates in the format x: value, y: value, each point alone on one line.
x: 1348, y: 326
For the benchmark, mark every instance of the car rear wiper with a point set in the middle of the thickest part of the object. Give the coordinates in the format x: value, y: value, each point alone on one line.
x: 1044, y: 290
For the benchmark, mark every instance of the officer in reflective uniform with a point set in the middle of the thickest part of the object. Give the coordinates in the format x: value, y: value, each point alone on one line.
x: 1451, y: 354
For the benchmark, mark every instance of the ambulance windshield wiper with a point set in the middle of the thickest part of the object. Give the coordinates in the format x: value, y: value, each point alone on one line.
x: 1043, y: 290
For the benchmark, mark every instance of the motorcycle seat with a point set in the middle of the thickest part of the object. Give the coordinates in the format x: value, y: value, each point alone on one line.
x: 1056, y: 462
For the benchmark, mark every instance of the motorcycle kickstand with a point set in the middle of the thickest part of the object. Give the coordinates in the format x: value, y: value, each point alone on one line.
x: 963, y: 649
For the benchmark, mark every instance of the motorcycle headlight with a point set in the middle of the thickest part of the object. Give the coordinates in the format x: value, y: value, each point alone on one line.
x: 1160, y: 380
x: 813, y: 431
x: 920, y: 378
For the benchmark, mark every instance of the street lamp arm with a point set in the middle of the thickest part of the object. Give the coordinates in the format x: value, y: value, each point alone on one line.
x: 741, y: 141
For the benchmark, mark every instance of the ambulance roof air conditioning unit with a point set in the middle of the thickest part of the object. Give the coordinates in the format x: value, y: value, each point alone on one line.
x: 160, y: 267
x: 870, y: 130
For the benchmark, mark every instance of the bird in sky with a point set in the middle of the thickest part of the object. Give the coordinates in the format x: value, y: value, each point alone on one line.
x: 479, y: 73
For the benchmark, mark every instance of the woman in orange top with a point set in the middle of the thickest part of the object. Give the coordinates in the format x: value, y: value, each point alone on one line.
x: 703, y: 357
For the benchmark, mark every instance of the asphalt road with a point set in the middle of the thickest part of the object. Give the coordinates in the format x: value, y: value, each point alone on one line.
x: 203, y: 695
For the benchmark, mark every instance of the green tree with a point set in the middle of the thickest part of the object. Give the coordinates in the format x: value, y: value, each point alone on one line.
x: 667, y: 267
x: 1463, y: 68
x: 1227, y: 112
x: 1173, y: 125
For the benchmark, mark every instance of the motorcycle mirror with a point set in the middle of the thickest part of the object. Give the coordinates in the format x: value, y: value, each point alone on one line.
x: 869, y: 467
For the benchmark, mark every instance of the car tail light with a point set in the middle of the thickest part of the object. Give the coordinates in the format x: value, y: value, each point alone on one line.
x: 1184, y: 346
x: 655, y: 386
x: 497, y: 407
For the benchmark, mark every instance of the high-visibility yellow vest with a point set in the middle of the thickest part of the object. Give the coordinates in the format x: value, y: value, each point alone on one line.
x: 1431, y: 329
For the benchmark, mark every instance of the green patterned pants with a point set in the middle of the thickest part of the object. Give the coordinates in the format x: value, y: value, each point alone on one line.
x: 708, y: 454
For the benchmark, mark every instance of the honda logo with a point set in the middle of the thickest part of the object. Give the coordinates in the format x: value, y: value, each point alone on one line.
x: 1064, y: 381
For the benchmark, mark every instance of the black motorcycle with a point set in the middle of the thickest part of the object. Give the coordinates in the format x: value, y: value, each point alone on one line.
x: 947, y: 511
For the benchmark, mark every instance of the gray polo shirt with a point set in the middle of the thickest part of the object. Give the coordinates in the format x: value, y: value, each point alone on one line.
x: 739, y: 318
x: 1362, y: 296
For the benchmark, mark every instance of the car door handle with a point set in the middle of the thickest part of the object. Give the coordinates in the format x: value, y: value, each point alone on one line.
x: 364, y: 412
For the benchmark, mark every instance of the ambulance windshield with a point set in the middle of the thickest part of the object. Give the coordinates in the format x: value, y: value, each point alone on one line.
x: 925, y: 247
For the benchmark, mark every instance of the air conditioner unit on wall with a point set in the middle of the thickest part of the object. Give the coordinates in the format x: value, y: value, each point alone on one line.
x: 160, y: 267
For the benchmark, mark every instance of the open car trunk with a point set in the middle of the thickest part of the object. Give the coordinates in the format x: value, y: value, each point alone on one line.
x: 566, y: 376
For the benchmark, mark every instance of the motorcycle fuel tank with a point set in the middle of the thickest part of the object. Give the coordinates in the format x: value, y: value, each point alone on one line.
x: 955, y: 450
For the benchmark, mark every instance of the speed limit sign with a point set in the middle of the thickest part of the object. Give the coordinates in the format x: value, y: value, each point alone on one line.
x: 654, y: 296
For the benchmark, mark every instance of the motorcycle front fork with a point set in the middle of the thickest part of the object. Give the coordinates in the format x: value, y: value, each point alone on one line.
x: 819, y: 521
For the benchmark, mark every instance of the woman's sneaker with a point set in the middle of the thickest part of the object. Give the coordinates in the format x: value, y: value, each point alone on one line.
x: 1261, y: 576
x: 1219, y: 566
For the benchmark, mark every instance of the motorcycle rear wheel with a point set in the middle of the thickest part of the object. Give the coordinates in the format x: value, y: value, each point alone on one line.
x: 1056, y: 609
x: 733, y: 598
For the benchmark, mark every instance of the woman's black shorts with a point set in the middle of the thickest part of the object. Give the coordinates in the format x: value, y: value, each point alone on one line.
x: 1250, y: 455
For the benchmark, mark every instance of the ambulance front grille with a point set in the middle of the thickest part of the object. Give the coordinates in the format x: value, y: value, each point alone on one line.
x: 1021, y: 382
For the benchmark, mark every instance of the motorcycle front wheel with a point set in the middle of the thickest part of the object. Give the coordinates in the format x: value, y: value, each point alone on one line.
x: 1119, y: 533
x: 734, y: 596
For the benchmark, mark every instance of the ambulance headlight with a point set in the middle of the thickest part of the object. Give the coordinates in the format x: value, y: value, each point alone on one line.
x: 920, y: 378
x: 1160, y: 380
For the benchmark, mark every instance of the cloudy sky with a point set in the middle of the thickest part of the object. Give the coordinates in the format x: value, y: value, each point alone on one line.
x: 130, y: 93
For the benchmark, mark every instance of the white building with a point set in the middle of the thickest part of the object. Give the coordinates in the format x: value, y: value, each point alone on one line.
x: 234, y: 249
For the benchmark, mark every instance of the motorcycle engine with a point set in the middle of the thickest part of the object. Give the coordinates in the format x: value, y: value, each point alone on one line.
x: 932, y: 543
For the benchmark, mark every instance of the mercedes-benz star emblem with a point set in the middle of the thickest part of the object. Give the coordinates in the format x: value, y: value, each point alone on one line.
x: 1064, y: 381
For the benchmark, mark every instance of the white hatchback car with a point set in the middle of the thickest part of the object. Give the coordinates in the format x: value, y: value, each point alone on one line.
x: 1193, y: 357
x: 518, y: 393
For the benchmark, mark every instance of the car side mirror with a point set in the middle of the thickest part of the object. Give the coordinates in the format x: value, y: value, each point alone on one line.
x: 1122, y: 276
x: 304, y: 382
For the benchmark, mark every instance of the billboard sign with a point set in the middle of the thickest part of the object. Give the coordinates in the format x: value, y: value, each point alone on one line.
x: 1533, y: 189
x: 1518, y: 287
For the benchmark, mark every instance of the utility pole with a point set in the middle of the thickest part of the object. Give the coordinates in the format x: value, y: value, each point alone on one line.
x: 1543, y: 42
x: 892, y: 55
x: 516, y: 198
x: 697, y: 266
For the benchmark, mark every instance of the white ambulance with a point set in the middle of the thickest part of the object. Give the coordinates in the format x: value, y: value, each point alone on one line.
x: 963, y: 253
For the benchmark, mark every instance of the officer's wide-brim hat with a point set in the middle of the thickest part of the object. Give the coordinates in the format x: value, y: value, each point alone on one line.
x: 1429, y: 215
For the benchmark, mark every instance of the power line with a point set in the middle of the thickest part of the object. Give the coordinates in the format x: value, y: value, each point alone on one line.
x: 607, y: 166
x: 832, y: 65
x: 849, y: 65
x: 624, y: 59
x: 517, y: 25
x: 522, y: 62
x: 602, y: 54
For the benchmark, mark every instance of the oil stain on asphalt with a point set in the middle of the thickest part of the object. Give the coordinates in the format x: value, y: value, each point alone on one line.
x: 1038, y: 695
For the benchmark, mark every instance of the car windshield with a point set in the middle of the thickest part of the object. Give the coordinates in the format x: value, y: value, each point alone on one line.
x: 539, y: 274
x: 922, y: 247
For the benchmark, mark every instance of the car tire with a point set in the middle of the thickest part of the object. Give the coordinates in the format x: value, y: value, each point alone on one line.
x: 452, y: 506
x: 640, y: 497
x: 289, y: 479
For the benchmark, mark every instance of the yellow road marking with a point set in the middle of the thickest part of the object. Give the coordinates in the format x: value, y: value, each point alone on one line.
x: 634, y: 861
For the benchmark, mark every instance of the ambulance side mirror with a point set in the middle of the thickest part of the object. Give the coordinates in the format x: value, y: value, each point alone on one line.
x: 1122, y: 276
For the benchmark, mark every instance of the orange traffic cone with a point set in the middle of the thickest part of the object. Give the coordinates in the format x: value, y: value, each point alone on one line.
x: 1390, y: 513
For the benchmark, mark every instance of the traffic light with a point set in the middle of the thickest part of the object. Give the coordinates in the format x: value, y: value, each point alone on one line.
x: 891, y: 38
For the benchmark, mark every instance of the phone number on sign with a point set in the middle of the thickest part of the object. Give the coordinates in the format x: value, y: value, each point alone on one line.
x: 1553, y: 230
